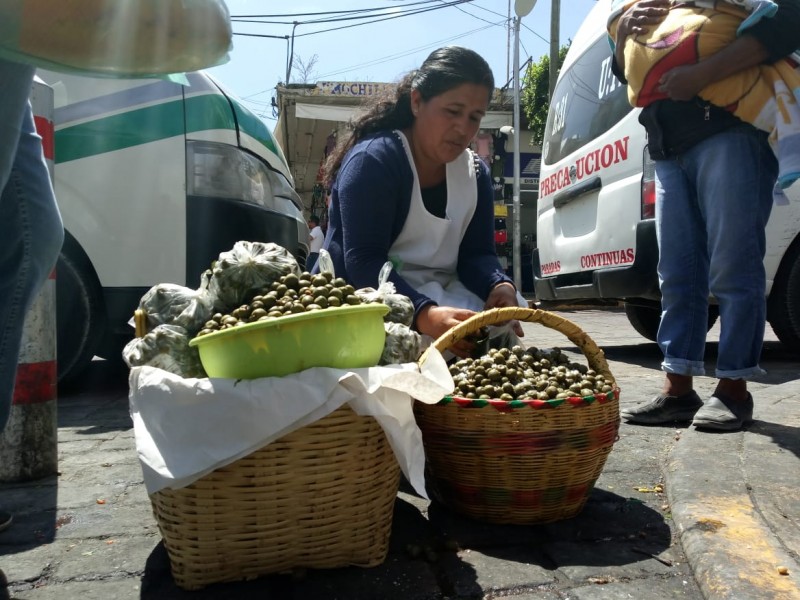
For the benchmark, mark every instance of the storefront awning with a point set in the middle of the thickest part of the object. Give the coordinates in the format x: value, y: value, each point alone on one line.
x: 342, y: 114
x: 324, y: 112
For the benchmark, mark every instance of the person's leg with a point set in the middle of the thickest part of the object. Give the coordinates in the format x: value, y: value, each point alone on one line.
x: 17, y: 80
x: 683, y: 276
x: 31, y: 232
x: 311, y: 261
x: 737, y: 208
x: 31, y: 235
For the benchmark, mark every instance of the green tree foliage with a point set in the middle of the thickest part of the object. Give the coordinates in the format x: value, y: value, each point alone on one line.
x: 535, y: 93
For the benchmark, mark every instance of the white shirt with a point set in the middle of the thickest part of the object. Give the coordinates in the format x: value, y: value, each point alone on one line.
x: 315, y: 240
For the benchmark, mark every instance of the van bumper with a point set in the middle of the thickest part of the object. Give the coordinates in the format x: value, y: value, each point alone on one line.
x: 214, y: 225
x: 637, y: 280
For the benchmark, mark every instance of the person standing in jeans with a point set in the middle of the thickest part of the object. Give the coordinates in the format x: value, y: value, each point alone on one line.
x: 715, y: 177
x: 315, y: 240
x: 31, y: 232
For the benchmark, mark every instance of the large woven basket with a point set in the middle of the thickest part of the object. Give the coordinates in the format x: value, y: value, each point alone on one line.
x: 520, y: 461
x: 321, y: 496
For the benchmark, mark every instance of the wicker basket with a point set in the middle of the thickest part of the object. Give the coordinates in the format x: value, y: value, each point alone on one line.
x: 320, y: 497
x: 520, y: 461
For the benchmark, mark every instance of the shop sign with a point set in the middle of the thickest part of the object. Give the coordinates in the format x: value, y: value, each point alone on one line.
x: 354, y: 89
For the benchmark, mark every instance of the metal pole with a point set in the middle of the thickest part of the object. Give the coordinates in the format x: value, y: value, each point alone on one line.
x: 508, y: 43
x: 517, y: 242
x: 555, y: 26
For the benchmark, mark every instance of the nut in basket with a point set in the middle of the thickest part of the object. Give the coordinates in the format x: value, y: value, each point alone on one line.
x: 528, y: 460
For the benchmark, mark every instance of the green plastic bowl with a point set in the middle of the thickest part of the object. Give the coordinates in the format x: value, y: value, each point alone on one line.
x: 346, y: 337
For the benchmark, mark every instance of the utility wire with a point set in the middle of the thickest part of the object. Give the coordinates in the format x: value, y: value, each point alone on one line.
x: 470, y: 14
x: 389, y: 18
x: 263, y: 35
x: 392, y: 57
x: 330, y: 12
x: 357, y: 15
x: 438, y: 5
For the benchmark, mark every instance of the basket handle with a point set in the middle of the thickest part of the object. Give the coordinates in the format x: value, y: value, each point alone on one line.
x: 140, y: 322
x: 594, y: 355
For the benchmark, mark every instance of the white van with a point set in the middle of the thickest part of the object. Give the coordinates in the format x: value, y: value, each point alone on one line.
x: 595, y: 228
x: 154, y: 179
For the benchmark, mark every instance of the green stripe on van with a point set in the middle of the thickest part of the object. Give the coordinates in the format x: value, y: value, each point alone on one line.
x: 255, y: 127
x: 142, y: 126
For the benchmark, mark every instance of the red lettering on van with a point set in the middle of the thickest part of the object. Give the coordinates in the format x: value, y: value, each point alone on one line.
x: 592, y: 162
x: 608, y: 258
x: 551, y: 267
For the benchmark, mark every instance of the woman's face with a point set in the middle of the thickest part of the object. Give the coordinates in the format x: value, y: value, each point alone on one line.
x: 446, y: 124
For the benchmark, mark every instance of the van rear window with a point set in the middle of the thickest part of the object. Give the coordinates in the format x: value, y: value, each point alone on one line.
x: 587, y: 102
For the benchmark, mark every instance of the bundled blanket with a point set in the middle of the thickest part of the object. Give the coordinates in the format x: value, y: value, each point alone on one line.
x: 766, y: 96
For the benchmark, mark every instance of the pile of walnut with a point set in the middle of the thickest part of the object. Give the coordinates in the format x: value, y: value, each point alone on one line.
x: 291, y: 294
x: 519, y: 374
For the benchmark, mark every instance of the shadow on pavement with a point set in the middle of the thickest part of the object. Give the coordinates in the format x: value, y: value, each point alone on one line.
x: 98, y: 400
x: 779, y: 363
x: 785, y: 436
x: 34, y: 507
x: 401, y: 576
x: 611, y: 530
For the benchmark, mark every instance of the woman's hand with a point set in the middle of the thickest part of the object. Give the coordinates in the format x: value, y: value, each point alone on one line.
x: 435, y: 321
x: 502, y: 295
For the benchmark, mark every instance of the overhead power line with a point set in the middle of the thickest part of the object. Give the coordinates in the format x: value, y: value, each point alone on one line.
x: 349, y: 14
x: 392, y: 57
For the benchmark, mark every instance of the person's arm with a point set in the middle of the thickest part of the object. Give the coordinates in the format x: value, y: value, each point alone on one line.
x: 768, y: 40
x: 374, y: 192
x: 779, y: 34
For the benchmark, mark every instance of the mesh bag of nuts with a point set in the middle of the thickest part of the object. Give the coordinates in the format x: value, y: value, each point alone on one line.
x: 245, y: 269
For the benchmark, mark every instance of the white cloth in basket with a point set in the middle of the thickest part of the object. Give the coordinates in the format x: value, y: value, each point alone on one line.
x: 186, y: 428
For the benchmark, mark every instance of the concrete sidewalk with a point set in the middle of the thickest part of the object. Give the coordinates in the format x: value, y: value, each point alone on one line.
x: 729, y: 518
x: 736, y: 500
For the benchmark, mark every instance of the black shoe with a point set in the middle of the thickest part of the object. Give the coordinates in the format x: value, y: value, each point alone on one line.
x: 5, y: 520
x: 664, y: 409
x: 723, y: 414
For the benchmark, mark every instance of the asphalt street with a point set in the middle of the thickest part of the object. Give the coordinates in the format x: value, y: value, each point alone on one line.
x: 89, y: 532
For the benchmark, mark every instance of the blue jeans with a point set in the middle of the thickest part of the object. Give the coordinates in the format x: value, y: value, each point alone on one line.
x: 712, y: 207
x: 311, y: 260
x: 31, y: 232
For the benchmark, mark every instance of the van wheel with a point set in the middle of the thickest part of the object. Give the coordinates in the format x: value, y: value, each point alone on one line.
x: 79, y: 312
x: 783, y: 305
x: 646, y: 319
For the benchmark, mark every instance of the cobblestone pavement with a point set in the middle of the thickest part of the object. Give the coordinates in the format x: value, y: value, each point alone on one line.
x: 89, y: 532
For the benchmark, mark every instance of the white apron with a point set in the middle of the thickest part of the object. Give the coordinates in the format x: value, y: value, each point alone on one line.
x: 425, y: 253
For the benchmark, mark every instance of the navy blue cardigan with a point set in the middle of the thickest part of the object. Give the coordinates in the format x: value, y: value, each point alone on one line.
x: 370, y: 200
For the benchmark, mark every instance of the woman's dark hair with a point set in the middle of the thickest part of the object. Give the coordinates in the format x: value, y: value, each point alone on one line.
x: 443, y: 70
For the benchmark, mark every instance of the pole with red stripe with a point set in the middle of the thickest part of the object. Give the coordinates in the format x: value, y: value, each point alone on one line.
x: 29, y: 442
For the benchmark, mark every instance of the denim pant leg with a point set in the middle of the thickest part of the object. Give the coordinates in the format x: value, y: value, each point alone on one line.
x: 682, y: 270
x: 729, y: 179
x: 31, y: 232
x: 737, y: 206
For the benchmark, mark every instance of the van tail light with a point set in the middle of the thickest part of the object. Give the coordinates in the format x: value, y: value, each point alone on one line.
x: 648, y: 186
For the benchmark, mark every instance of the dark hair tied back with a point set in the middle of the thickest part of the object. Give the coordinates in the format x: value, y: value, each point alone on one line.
x: 443, y: 70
